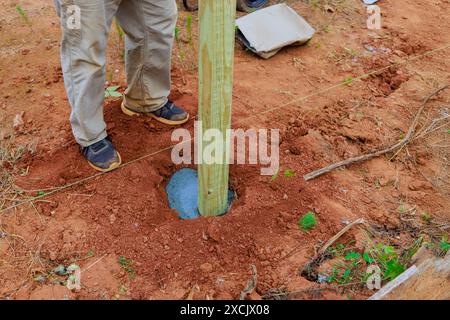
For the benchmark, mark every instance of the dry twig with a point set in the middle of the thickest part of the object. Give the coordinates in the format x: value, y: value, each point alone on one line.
x: 398, y: 146
x: 251, y: 284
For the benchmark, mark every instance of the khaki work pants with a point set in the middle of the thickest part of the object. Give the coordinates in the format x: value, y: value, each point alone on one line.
x: 149, y: 31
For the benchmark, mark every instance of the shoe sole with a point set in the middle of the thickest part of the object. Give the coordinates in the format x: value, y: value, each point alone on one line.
x: 130, y: 113
x: 113, y: 166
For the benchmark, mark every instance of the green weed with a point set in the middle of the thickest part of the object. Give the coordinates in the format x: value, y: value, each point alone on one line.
x: 112, y: 92
x: 444, y: 245
x: 22, y: 13
x: 308, y: 221
x: 189, y: 29
x: 127, y: 266
x: 289, y: 173
x: 351, y: 265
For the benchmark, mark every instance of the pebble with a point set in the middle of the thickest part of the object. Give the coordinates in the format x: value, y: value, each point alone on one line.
x: 60, y: 270
x: 206, y: 267
x: 18, y: 120
x: 112, y: 218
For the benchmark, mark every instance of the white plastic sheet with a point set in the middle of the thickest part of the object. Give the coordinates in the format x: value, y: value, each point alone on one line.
x: 267, y: 31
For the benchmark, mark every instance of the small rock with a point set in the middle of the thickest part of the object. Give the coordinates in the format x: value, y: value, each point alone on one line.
x: 60, y: 270
x: 419, y: 185
x: 53, y: 255
x: 112, y: 218
x: 18, y: 121
x: 206, y: 267
x: 214, y: 231
x: 40, y: 279
x: 322, y: 278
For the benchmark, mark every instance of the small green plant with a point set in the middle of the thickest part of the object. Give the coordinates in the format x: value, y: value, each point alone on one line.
x: 275, y: 176
x: 23, y: 15
x: 177, y: 34
x: 121, y: 40
x: 112, y: 92
x: 327, y: 29
x: 308, y: 221
x: 127, y: 266
x: 119, y: 29
x: 289, y: 173
x: 348, y: 81
x: 351, y: 265
x: 181, y: 52
x: 349, y: 268
x: 444, y: 245
x: 90, y: 253
x: 314, y: 3
x: 189, y: 29
x: 426, y: 217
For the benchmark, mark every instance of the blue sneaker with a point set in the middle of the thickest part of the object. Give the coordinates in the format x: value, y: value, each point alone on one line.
x: 168, y: 114
x: 102, y: 155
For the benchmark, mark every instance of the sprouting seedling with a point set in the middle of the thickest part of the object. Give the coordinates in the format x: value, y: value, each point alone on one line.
x: 23, y: 15
x: 181, y: 54
x: 119, y: 29
x: 189, y: 28
x: 444, y: 245
x: 127, y: 266
x: 275, y: 176
x: 177, y: 34
x: 289, y: 173
x: 121, y: 35
x: 112, y: 92
x: 308, y: 221
x: 426, y: 217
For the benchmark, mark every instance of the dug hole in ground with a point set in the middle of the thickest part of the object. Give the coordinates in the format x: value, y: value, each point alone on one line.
x: 118, y: 227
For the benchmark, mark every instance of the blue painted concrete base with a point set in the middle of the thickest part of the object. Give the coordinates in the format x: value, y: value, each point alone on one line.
x: 182, y: 192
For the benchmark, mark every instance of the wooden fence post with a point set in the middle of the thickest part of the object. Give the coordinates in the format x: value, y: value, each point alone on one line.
x: 216, y: 57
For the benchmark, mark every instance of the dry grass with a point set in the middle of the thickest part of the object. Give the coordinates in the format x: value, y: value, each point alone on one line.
x: 10, y: 154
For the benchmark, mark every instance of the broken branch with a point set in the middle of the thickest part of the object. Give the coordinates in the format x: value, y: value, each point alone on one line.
x: 409, y: 136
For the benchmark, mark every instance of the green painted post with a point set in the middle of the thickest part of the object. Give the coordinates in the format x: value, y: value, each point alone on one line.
x: 216, y: 59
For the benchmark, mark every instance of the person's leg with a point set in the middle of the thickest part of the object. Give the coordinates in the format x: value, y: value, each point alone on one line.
x: 149, y: 26
x: 83, y: 56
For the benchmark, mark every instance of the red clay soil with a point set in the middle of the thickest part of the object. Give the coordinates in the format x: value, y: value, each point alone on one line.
x: 125, y: 213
